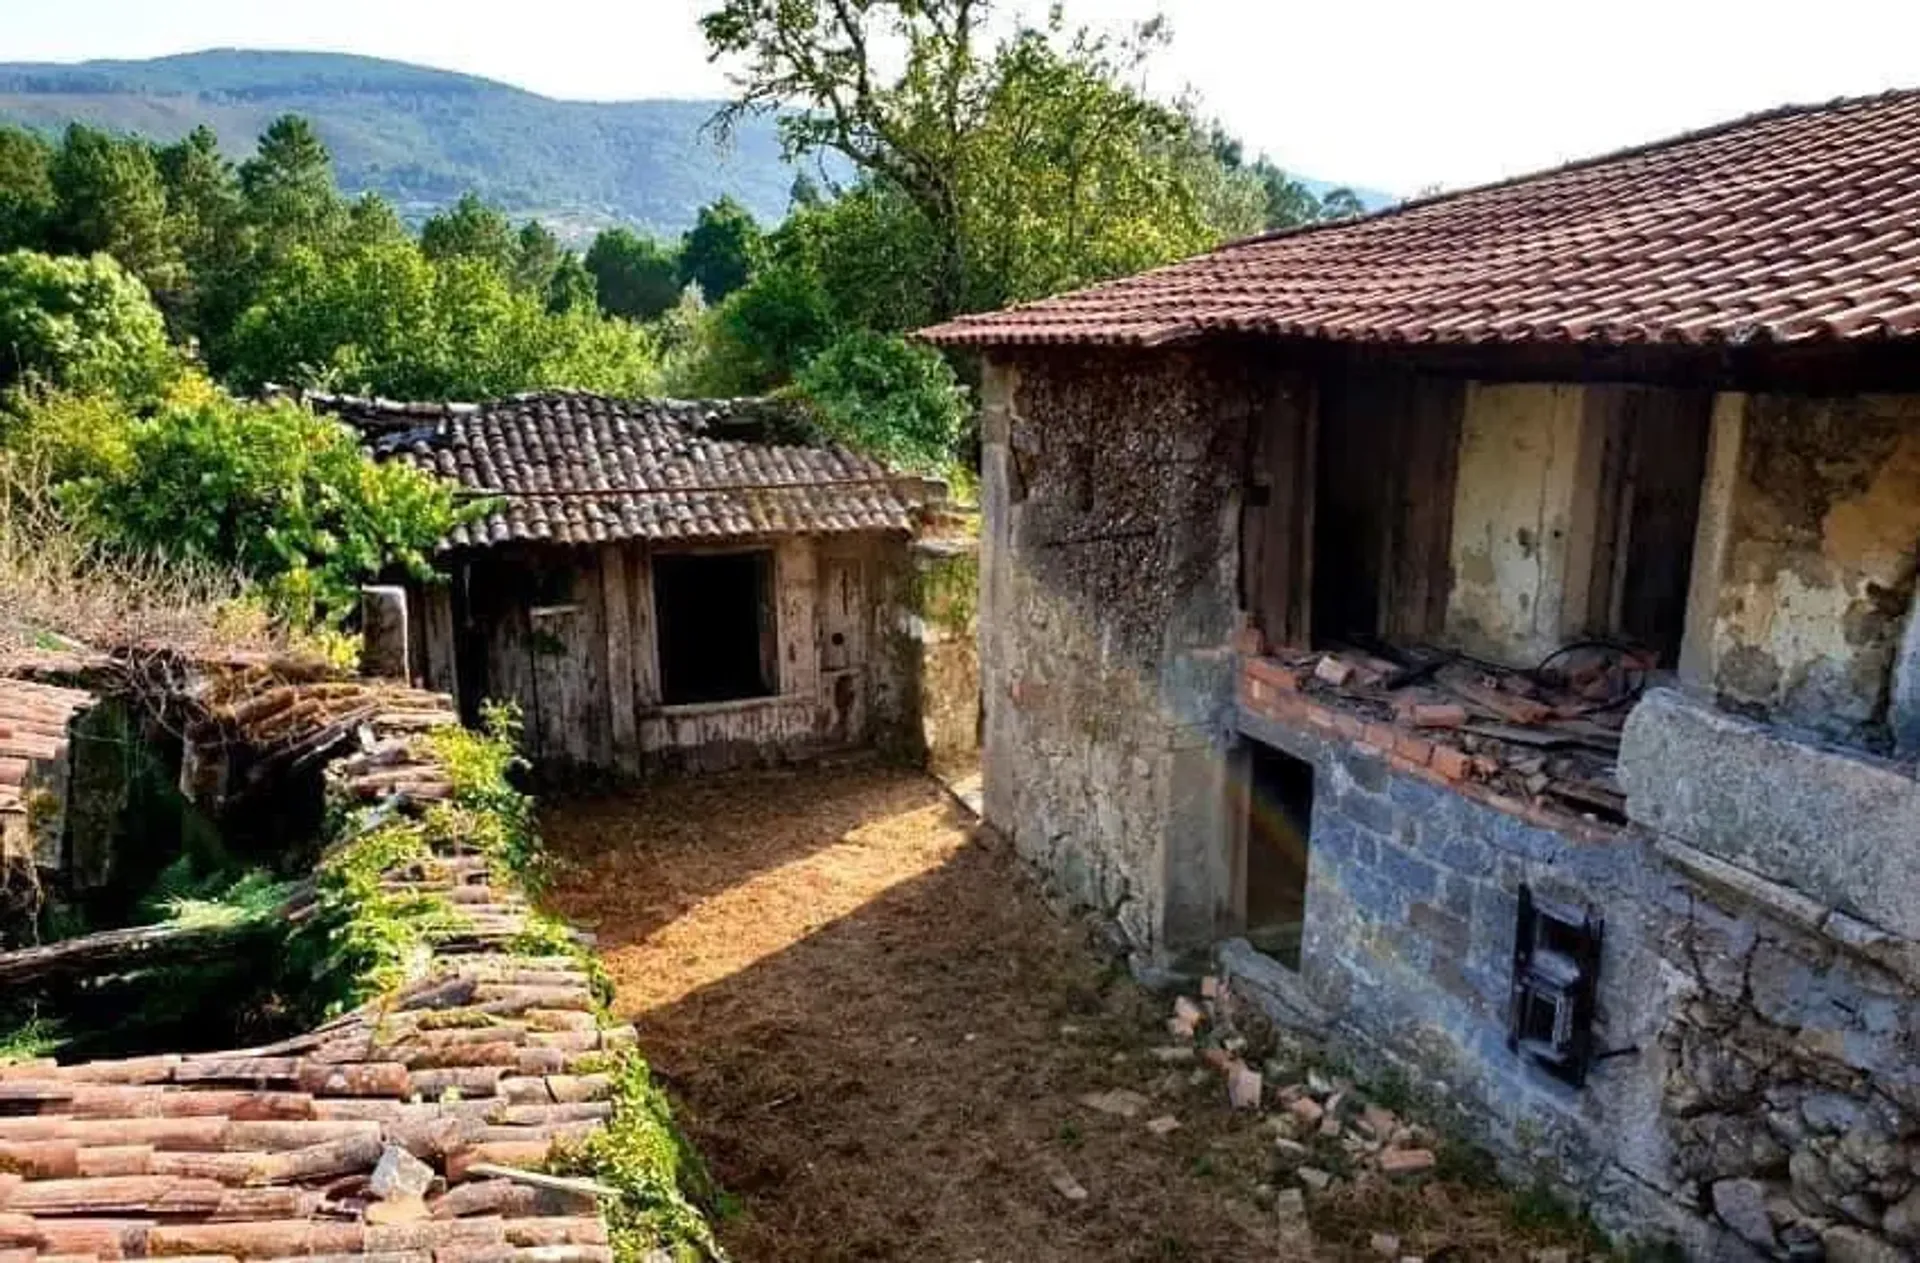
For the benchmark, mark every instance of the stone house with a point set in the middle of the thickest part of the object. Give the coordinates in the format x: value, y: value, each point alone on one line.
x: 1488, y: 626
x: 671, y: 585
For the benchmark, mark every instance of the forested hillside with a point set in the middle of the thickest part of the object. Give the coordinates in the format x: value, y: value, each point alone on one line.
x: 421, y: 137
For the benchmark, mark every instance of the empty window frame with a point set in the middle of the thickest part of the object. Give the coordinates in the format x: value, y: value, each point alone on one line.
x: 715, y: 617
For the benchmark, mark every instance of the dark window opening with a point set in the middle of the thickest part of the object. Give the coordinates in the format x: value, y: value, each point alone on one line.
x: 1385, y: 475
x: 1279, y: 820
x: 1652, y: 470
x: 1556, y: 970
x: 715, y: 615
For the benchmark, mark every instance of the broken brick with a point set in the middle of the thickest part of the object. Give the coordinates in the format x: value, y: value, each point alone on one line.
x: 1333, y: 670
x: 1451, y: 763
x: 1442, y: 715
x: 1406, y: 1161
x: 1243, y: 1087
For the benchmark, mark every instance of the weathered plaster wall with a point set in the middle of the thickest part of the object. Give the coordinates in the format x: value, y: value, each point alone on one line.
x: 1109, y: 601
x: 1813, y: 542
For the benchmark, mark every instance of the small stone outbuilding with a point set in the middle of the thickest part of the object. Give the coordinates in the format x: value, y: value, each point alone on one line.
x: 1489, y: 628
x: 665, y: 584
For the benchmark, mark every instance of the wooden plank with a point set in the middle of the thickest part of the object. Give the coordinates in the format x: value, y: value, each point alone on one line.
x: 617, y: 603
x: 438, y: 655
x: 1416, y: 605
x: 795, y: 621
x: 501, y: 591
x: 595, y: 701
x: 646, y: 640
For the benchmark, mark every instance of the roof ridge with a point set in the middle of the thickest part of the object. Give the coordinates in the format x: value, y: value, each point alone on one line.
x: 1706, y: 132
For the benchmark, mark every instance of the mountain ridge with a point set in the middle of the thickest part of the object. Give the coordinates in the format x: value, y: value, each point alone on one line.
x: 421, y: 136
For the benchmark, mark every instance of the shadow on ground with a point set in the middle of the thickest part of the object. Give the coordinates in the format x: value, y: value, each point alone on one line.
x: 878, y: 1033
x: 881, y: 1038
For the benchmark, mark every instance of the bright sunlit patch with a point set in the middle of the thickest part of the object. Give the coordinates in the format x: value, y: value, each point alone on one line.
x: 774, y: 909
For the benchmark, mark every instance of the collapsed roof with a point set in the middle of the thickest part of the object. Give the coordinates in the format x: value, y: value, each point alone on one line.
x: 574, y: 468
x: 1801, y: 225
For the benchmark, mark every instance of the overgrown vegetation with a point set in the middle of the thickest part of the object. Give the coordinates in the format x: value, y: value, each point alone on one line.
x: 661, y: 1183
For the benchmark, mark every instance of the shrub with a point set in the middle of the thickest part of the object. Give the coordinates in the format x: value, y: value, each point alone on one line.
x: 273, y: 491
x: 897, y: 400
x: 81, y: 324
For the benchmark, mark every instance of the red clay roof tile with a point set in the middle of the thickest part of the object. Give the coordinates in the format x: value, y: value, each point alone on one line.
x: 1798, y: 225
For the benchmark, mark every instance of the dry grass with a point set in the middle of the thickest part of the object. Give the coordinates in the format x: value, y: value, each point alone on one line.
x: 58, y: 592
x: 878, y: 1034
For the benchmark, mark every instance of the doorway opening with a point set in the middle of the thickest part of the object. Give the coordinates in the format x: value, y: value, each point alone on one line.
x: 1279, y: 824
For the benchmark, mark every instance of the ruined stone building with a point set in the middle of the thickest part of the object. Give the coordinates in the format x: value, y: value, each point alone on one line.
x: 669, y: 585
x: 1490, y: 626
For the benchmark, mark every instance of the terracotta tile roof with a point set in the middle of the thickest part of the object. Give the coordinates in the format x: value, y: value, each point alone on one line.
x: 34, y: 721
x: 577, y: 468
x: 268, y: 1153
x: 1794, y: 226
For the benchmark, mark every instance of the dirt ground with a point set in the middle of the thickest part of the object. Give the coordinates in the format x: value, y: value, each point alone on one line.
x: 879, y: 1036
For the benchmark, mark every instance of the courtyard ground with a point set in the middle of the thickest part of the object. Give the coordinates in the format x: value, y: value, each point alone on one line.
x: 883, y: 1041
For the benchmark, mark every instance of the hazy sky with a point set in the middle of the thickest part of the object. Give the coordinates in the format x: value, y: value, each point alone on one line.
x: 1394, y: 94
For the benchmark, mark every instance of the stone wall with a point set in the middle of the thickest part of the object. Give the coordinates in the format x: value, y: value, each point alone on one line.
x: 1406, y: 965
x: 1109, y: 604
x: 1794, y: 1093
x: 1759, y: 1089
x: 1810, y: 538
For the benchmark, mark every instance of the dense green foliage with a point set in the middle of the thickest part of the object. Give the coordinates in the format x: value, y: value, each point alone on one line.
x: 970, y: 174
x: 280, y: 494
x: 896, y: 399
x: 81, y: 324
x: 421, y: 137
x: 268, y: 491
x: 276, y: 277
x: 659, y: 1177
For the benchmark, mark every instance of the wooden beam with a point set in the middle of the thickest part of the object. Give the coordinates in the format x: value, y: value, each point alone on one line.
x: 622, y: 716
x: 441, y: 667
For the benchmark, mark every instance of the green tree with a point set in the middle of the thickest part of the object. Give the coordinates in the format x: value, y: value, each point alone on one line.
x: 898, y: 400
x: 766, y: 331
x: 634, y: 276
x: 288, y: 187
x: 208, y: 222
x: 81, y: 324
x: 27, y: 202
x: 1073, y: 177
x: 111, y: 199
x: 536, y: 258
x: 1341, y: 204
x: 873, y: 253
x: 383, y: 318
x: 471, y: 229
x: 372, y: 221
x: 718, y: 253
x: 829, y: 69
x: 1030, y: 165
x: 571, y: 287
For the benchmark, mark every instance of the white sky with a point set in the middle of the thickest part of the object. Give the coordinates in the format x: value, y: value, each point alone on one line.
x: 1393, y: 94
